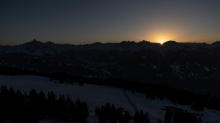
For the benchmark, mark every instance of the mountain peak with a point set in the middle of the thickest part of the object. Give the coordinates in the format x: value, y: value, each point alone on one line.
x: 49, y: 42
x: 33, y: 42
x: 216, y: 43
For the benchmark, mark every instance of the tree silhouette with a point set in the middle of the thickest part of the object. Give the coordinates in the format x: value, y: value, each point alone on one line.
x: 168, y: 117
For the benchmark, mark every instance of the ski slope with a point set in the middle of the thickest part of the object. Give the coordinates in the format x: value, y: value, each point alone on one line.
x: 96, y: 95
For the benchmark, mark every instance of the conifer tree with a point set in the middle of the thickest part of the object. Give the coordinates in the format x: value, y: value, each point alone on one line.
x: 136, y: 117
x: 127, y: 117
x: 146, y: 118
x: 168, y: 117
x: 51, y: 100
x: 178, y: 116
x: 113, y: 114
x: 200, y: 120
x: 33, y: 96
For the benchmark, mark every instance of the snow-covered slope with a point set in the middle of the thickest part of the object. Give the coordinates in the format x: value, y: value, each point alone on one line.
x: 96, y: 95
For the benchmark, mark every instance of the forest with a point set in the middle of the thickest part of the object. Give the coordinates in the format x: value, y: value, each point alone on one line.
x: 41, y: 106
x: 29, y: 107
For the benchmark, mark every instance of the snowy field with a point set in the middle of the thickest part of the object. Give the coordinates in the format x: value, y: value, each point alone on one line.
x: 96, y: 95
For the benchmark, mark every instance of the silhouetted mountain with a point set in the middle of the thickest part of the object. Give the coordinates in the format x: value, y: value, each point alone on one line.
x: 185, y: 65
x: 217, y: 43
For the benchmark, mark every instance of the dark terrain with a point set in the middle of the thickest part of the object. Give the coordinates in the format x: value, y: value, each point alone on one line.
x: 193, y: 66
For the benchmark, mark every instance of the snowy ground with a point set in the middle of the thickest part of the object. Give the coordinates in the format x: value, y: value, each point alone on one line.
x: 96, y: 95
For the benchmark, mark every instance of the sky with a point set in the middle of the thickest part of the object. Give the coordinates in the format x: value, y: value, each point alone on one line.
x: 89, y: 21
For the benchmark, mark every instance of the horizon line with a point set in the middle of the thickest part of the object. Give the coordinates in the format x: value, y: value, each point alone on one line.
x: 153, y: 42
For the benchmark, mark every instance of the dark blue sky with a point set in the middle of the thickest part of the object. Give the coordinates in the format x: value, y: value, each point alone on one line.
x: 82, y: 22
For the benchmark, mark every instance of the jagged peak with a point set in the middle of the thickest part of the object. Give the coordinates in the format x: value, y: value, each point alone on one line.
x: 144, y: 42
x: 128, y: 42
x: 97, y: 43
x: 33, y: 42
x: 49, y: 42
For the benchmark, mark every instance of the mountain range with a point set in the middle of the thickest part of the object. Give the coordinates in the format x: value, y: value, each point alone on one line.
x: 193, y: 66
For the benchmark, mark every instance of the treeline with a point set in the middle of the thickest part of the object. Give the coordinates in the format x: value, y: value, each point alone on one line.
x: 178, y: 96
x: 32, y: 107
x: 180, y: 116
x: 108, y: 113
x: 20, y: 107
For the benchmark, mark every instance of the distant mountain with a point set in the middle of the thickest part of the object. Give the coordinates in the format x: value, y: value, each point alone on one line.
x: 176, y: 64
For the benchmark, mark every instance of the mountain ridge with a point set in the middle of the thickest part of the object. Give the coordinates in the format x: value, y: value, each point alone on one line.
x: 124, y: 45
x: 142, y: 61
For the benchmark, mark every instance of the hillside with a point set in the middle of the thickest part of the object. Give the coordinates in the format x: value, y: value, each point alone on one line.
x: 193, y: 66
x: 96, y: 95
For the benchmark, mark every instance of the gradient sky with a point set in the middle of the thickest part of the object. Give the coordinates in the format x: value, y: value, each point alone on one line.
x: 82, y: 22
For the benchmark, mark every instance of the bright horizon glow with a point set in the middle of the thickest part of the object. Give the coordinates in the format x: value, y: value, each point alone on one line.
x: 161, y: 41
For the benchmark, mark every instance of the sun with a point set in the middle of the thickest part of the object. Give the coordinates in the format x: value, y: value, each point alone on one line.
x: 161, y: 41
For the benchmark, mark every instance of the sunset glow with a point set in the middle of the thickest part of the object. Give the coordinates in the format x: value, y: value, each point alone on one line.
x: 161, y: 41
x: 86, y: 22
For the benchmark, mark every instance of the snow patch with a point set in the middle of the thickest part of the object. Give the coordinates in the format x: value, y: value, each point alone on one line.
x: 104, y: 70
x: 111, y: 57
x: 214, y: 68
x: 175, y: 67
x: 142, y: 65
x: 154, y: 66
x: 198, y: 64
x: 207, y: 69
x: 187, y: 66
